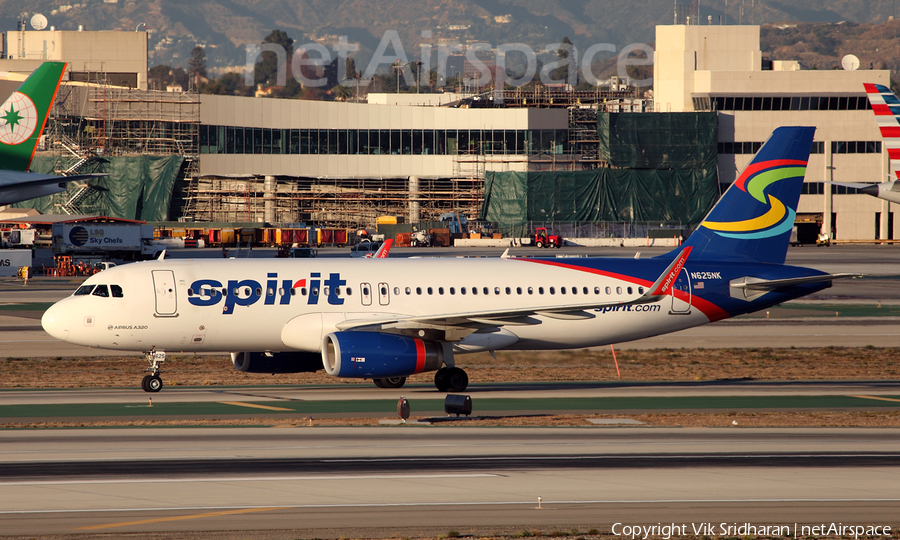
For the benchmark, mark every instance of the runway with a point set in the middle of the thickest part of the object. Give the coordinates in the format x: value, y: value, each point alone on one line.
x: 403, y: 480
x: 414, y: 480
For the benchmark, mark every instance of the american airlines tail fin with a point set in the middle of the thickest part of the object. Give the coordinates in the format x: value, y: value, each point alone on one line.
x: 24, y: 115
x: 754, y: 218
x: 886, y: 107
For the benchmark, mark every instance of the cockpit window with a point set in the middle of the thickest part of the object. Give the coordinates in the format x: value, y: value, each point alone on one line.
x: 101, y: 290
x: 84, y: 290
x: 116, y: 291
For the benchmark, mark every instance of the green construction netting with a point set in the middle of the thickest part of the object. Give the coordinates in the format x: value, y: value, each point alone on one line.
x: 137, y: 187
x: 658, y: 140
x: 616, y: 195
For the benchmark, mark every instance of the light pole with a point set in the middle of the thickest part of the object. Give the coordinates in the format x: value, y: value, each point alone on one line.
x: 398, y: 66
x: 418, y: 70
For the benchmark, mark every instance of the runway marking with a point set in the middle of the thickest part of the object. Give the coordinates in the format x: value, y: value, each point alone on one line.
x: 878, y: 398
x: 444, y: 503
x: 255, y: 406
x: 178, y: 518
x: 207, y: 479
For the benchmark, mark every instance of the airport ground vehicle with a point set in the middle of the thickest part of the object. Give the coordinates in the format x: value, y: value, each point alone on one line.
x: 126, y: 241
x: 543, y: 238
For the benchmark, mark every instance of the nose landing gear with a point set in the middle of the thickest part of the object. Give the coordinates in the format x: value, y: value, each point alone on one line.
x: 153, y: 382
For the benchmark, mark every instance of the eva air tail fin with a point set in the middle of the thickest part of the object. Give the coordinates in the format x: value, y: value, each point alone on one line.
x: 24, y: 115
x: 754, y: 218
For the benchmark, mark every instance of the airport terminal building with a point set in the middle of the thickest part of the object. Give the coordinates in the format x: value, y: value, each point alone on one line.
x: 288, y: 161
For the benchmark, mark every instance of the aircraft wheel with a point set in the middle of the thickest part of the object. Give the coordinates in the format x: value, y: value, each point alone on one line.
x: 144, y: 382
x: 392, y: 382
x: 154, y: 383
x: 378, y: 383
x: 457, y: 380
x: 539, y: 244
x: 440, y: 379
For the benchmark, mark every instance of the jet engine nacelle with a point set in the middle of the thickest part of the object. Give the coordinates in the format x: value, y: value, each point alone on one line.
x: 371, y: 355
x: 276, y: 362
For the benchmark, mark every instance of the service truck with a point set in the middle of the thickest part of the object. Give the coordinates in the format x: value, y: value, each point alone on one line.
x: 126, y: 241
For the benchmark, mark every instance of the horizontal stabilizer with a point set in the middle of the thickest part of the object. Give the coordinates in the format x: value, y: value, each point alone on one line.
x: 750, y: 288
x: 772, y: 284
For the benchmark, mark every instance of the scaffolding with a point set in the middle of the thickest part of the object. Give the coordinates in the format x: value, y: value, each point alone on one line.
x: 350, y: 203
x: 90, y: 122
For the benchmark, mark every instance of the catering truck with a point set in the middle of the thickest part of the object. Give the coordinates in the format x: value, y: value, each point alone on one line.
x: 126, y: 241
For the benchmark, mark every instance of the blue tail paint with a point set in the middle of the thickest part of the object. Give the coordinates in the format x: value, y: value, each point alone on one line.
x: 753, y: 219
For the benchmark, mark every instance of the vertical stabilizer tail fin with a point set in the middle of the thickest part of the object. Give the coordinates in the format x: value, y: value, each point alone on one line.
x: 754, y: 218
x: 886, y: 107
x: 24, y: 114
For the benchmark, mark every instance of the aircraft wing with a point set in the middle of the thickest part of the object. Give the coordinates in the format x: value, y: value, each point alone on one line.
x: 463, y: 323
x: 17, y: 186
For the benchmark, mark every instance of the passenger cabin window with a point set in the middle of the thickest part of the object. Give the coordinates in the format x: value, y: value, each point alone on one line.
x: 84, y: 290
x: 101, y: 290
x: 630, y: 290
x: 485, y: 290
x: 618, y: 290
x: 116, y: 291
x: 552, y: 290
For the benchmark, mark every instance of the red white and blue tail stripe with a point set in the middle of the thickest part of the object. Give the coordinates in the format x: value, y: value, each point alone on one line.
x: 886, y: 107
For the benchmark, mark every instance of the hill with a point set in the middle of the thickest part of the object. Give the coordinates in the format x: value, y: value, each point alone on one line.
x: 224, y: 27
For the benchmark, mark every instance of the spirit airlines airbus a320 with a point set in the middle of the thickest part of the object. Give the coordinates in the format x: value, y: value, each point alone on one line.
x: 387, y: 319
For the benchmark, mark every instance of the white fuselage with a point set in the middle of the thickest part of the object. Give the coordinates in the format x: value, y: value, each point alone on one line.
x: 289, y: 305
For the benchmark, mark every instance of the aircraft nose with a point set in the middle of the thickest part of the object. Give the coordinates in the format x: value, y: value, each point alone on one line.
x: 56, y: 322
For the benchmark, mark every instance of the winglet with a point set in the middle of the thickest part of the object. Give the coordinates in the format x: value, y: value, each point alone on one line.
x: 664, y: 283
x: 505, y: 254
x: 385, y: 248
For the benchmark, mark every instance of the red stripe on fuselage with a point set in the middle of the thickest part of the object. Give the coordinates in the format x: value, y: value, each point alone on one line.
x: 420, y: 355
x: 712, y: 311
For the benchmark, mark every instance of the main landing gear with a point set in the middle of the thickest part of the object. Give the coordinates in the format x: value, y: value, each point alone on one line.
x: 153, y: 382
x: 390, y: 382
x: 446, y: 379
x: 451, y: 379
